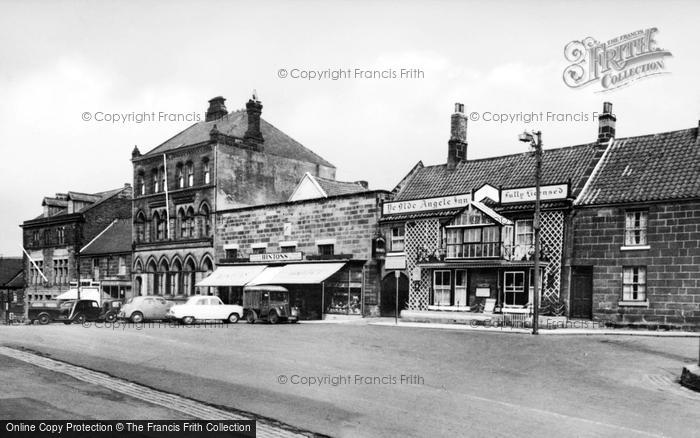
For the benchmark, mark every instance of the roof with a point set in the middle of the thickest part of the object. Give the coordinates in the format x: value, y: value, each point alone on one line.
x: 10, y: 267
x: 92, y: 200
x: 335, y: 188
x: 664, y: 166
x: 235, y: 124
x: 116, y: 238
x: 508, y: 171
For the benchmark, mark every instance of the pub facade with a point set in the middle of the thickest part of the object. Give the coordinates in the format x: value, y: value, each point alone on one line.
x: 461, y: 235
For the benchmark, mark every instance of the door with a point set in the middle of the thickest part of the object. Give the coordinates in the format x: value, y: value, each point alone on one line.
x: 582, y: 292
x: 148, y: 308
x: 460, y: 287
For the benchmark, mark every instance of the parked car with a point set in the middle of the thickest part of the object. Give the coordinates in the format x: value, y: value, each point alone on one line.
x: 66, y: 311
x: 110, y: 309
x: 268, y: 303
x: 205, y: 308
x: 142, y: 308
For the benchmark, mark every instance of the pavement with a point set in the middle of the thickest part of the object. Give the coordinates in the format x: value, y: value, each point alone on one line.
x: 346, y: 380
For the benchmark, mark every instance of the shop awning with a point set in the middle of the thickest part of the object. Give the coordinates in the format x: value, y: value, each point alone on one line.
x: 265, y: 277
x: 298, y: 273
x: 232, y: 275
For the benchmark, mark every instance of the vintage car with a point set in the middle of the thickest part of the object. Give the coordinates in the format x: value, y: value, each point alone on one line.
x: 142, y: 308
x: 268, y: 303
x: 205, y: 308
x: 110, y: 309
x: 66, y: 311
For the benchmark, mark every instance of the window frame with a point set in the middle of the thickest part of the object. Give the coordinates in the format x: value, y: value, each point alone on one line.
x: 398, y: 239
x: 635, y: 271
x: 636, y: 228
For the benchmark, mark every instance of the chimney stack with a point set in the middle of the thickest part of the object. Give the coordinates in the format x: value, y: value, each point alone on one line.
x: 364, y: 184
x: 217, y: 109
x: 457, y: 146
x: 606, y: 124
x: 254, y: 109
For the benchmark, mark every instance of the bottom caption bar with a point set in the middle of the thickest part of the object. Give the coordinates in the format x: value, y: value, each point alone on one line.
x: 145, y: 428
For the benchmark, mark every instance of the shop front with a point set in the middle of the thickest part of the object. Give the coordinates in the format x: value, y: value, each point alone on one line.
x: 319, y: 289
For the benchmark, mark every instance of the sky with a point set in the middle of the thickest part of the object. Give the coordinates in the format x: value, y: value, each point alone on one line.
x: 62, y: 59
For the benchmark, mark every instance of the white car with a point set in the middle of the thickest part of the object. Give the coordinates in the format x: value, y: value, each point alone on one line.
x: 205, y: 308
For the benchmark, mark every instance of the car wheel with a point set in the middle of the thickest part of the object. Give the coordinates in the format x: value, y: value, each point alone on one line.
x: 274, y: 317
x: 44, y: 319
x: 188, y: 320
x: 250, y: 317
x: 136, y: 317
x: 233, y: 318
x: 80, y: 318
x: 110, y: 317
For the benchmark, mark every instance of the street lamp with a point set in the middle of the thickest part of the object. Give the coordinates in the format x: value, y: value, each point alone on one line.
x: 535, y: 140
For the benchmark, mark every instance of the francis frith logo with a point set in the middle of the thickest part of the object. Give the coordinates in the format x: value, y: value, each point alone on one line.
x: 615, y: 63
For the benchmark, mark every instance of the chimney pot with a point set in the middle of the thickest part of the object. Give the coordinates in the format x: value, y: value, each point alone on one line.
x: 217, y: 109
x: 457, y: 146
x: 606, y: 124
x: 254, y: 110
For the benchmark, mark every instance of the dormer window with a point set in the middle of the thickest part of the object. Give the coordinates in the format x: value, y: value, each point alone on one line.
x: 476, y: 233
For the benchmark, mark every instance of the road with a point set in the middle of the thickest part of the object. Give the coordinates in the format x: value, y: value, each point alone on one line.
x: 346, y: 380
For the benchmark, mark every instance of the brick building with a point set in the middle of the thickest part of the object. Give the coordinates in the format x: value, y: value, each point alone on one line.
x: 230, y: 160
x: 635, y: 254
x: 461, y: 234
x: 107, y: 259
x: 322, y: 250
x: 53, y: 240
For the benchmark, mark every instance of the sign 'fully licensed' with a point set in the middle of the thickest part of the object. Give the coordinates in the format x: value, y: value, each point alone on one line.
x: 527, y: 194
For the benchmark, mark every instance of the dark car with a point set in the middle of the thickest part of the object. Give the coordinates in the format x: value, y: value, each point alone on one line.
x: 110, y: 309
x: 67, y: 312
x: 268, y: 303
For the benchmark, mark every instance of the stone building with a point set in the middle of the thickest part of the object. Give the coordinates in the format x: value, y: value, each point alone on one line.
x: 635, y: 253
x: 323, y: 250
x: 53, y: 240
x: 107, y: 259
x: 230, y: 160
x: 11, y: 288
x: 461, y: 234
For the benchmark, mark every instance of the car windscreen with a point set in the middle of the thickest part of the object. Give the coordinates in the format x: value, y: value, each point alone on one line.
x: 278, y: 296
x: 67, y: 305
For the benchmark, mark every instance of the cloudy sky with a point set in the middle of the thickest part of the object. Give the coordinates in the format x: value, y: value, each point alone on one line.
x: 60, y: 59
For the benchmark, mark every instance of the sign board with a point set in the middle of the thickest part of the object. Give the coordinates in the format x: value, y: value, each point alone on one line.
x: 416, y: 274
x: 427, y: 204
x: 395, y: 262
x: 276, y: 257
x: 527, y: 194
x: 483, y: 292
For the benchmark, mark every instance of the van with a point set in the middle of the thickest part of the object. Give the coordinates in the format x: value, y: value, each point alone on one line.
x: 268, y: 303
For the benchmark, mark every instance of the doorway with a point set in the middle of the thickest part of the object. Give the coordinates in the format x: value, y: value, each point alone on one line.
x: 388, y: 296
x: 582, y: 292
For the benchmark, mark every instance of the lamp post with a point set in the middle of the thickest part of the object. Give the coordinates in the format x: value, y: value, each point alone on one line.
x: 535, y: 140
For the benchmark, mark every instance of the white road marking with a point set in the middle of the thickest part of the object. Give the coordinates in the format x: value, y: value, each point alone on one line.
x: 170, y: 401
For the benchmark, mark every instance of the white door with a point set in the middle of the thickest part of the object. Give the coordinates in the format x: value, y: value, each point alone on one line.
x: 461, y: 287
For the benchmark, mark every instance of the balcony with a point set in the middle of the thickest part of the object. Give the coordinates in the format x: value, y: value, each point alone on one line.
x: 489, y: 250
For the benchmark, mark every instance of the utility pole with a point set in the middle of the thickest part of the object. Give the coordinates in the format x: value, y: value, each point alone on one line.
x: 535, y: 140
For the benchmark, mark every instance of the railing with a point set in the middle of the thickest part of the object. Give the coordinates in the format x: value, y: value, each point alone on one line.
x: 479, y: 250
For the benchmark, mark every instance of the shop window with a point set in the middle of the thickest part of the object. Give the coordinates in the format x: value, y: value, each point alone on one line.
x: 442, y: 283
x: 514, y: 288
x: 232, y: 253
x: 634, y: 283
x: 343, y: 293
x: 398, y: 239
x: 460, y: 287
x: 635, y: 228
x: 258, y: 250
x: 328, y: 249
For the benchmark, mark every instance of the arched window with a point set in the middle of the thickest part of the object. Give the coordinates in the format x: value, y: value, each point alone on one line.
x: 140, y: 184
x: 176, y: 277
x: 161, y: 174
x: 180, y: 176
x: 158, y: 224
x: 140, y: 225
x: 155, y: 182
x: 190, y: 174
x: 162, y: 278
x: 190, y: 222
x: 153, y: 272
x: 188, y: 277
x: 206, y: 219
x: 206, y: 171
x: 182, y: 220
x: 208, y: 268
